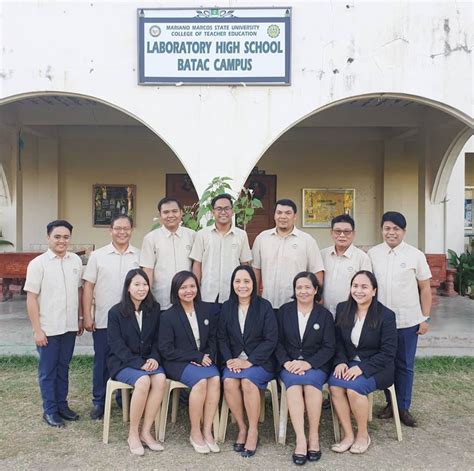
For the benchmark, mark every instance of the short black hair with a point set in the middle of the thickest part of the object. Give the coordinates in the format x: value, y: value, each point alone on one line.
x: 343, y: 218
x: 397, y: 218
x: 286, y: 202
x: 121, y: 216
x: 177, y: 282
x: 225, y: 196
x: 169, y: 199
x: 58, y: 223
x: 314, y: 281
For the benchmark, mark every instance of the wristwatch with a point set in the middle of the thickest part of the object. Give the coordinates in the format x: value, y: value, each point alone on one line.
x: 427, y: 319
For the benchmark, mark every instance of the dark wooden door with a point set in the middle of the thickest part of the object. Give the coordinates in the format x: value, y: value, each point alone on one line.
x: 180, y: 186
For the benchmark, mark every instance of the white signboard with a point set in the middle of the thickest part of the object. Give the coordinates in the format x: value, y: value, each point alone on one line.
x: 214, y: 45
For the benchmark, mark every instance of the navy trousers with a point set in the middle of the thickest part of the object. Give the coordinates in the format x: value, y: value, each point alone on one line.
x: 53, y: 371
x: 404, y: 366
x: 100, y: 372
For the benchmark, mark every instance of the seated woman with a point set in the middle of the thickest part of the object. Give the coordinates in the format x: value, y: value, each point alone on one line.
x: 187, y: 343
x: 247, y: 337
x: 133, y: 358
x: 366, y: 343
x: 305, y: 350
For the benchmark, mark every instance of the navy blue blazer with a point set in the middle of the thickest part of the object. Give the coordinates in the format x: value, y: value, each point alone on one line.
x: 259, y: 338
x: 377, y: 346
x: 318, y: 344
x: 127, y: 345
x: 176, y: 341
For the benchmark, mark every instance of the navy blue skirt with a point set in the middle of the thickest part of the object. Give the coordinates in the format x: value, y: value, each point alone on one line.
x: 192, y: 374
x: 256, y: 374
x: 132, y: 375
x: 361, y: 384
x: 312, y: 377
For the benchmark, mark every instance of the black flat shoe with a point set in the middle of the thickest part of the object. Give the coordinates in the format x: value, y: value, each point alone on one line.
x: 239, y: 447
x: 53, y: 420
x: 248, y: 453
x: 68, y: 414
x: 314, y: 455
x: 299, y: 459
x: 97, y: 413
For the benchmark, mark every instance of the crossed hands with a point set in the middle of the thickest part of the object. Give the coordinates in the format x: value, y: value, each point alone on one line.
x: 297, y: 367
x: 206, y: 361
x: 236, y: 365
x: 342, y: 371
x: 150, y: 365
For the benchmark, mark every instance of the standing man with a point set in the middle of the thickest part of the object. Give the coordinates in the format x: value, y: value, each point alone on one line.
x: 403, y: 276
x: 103, y: 284
x: 341, y: 262
x: 217, y: 250
x: 281, y: 253
x: 165, y: 251
x: 53, y: 284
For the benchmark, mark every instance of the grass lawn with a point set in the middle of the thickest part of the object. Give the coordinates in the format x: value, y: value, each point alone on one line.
x: 443, y: 405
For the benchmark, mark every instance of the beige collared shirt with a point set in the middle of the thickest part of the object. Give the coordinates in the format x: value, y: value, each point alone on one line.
x: 194, y: 327
x: 338, y: 273
x: 107, y: 269
x: 56, y: 280
x: 398, y: 271
x: 302, y: 323
x: 166, y: 253
x: 219, y: 255
x: 139, y: 318
x: 280, y: 259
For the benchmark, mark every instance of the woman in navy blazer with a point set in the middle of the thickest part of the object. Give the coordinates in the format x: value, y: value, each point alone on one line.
x: 247, y: 337
x: 133, y: 358
x: 366, y: 344
x: 187, y: 344
x: 305, y: 350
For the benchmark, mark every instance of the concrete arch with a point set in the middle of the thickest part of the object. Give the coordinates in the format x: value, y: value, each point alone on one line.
x: 21, y: 96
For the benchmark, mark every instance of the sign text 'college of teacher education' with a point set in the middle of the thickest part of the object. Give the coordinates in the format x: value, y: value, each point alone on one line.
x: 214, y: 46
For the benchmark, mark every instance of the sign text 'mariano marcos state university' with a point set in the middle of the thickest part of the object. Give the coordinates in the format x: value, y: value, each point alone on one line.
x: 214, y: 46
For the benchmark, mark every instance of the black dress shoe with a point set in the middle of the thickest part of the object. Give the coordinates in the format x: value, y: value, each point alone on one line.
x: 314, y: 455
x: 239, y: 447
x: 407, y: 418
x: 299, y: 459
x: 386, y: 412
x: 68, y: 414
x: 53, y: 420
x: 97, y: 413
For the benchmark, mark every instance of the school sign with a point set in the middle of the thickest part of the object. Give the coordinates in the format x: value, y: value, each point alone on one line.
x: 214, y: 46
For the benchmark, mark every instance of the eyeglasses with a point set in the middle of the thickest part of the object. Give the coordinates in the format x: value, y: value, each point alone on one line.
x: 227, y: 209
x: 346, y: 232
x: 120, y: 229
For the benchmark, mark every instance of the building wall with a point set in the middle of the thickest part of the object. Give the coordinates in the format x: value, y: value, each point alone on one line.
x: 469, y: 169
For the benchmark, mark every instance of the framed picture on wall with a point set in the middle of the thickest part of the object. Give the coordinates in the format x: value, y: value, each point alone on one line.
x: 109, y: 201
x: 320, y: 205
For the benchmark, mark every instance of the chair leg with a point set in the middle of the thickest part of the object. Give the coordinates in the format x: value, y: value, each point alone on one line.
x: 164, y: 411
x: 223, y: 421
x: 396, y: 414
x: 174, y: 405
x: 125, y: 405
x: 335, y: 422
x: 107, y: 408
x: 371, y: 405
x: 283, y: 415
x: 261, y: 419
x: 275, y: 408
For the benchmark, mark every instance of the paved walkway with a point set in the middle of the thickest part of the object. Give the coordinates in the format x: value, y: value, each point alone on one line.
x: 451, y: 333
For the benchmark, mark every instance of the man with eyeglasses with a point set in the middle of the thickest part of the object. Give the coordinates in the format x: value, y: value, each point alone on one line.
x: 103, y: 283
x: 165, y: 251
x: 53, y: 286
x: 403, y: 276
x: 217, y: 250
x: 341, y: 262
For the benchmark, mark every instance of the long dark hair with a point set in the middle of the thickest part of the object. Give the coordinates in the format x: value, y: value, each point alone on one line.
x: 178, y: 281
x: 126, y: 304
x: 347, y: 316
x: 314, y: 281
x: 233, y: 298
